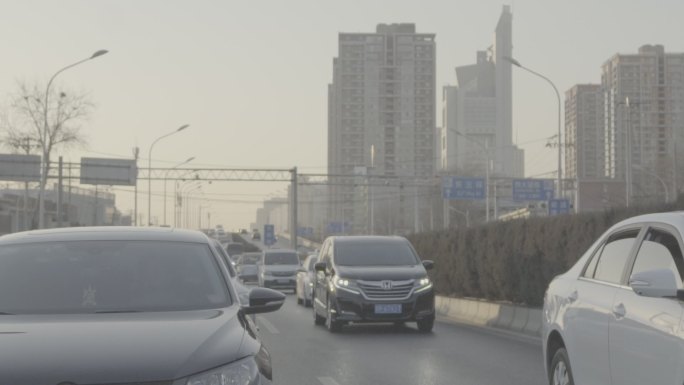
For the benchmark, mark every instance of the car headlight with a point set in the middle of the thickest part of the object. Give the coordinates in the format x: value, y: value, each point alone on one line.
x: 242, y: 372
x: 423, y: 284
x: 310, y: 284
x: 345, y: 284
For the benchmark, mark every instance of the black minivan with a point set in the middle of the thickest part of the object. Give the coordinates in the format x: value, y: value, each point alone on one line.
x: 372, y: 279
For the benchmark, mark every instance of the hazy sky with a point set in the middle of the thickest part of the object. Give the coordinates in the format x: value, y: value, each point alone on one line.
x: 251, y: 76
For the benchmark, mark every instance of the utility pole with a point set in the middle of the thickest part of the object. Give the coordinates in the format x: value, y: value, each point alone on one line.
x: 60, y: 188
x: 293, y: 210
x: 136, y: 154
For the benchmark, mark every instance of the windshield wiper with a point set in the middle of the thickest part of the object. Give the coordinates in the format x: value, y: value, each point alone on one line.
x: 4, y: 313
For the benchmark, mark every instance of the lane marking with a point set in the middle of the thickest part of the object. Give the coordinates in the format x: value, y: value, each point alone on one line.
x: 268, y: 325
x: 327, y: 381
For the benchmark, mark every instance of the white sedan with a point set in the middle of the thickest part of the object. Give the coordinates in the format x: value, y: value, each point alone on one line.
x: 616, y: 316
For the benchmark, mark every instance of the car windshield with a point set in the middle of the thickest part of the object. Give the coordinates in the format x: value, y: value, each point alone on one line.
x: 281, y: 259
x: 234, y: 249
x: 109, y: 276
x: 374, y: 253
x: 250, y: 259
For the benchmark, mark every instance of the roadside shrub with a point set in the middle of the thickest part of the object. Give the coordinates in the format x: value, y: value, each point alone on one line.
x: 514, y: 261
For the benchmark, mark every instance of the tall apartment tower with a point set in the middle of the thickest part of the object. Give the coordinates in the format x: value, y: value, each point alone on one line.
x: 477, y: 112
x: 381, y: 122
x: 584, y: 134
x: 643, y: 96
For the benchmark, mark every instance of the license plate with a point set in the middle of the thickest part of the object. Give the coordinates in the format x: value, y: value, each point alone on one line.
x: 385, y: 308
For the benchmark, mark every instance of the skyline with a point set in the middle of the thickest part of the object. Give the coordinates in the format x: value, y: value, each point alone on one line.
x: 218, y: 68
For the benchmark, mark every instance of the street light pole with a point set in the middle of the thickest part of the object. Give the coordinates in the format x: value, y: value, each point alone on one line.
x: 44, y: 144
x: 560, y: 150
x: 149, y: 171
x: 166, y: 177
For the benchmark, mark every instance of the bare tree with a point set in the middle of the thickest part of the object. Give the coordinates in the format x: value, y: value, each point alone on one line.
x: 57, y: 125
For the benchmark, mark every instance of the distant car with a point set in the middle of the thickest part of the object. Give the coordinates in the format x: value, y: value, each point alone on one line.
x: 243, y: 231
x: 234, y: 249
x: 278, y: 269
x: 247, y: 267
x: 616, y: 316
x: 372, y: 279
x: 305, y: 276
x: 242, y: 290
x: 256, y: 236
x: 150, y: 305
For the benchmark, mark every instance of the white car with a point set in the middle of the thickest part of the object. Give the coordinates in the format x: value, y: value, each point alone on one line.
x: 616, y: 316
x: 305, y: 277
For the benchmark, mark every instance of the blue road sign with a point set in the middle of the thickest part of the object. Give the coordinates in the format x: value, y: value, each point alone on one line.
x: 559, y: 206
x: 533, y: 189
x: 456, y: 187
x: 337, y: 227
x: 269, y: 235
x: 306, y: 232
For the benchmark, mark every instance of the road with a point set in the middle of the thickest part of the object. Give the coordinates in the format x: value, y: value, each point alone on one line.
x: 378, y: 354
x: 305, y: 354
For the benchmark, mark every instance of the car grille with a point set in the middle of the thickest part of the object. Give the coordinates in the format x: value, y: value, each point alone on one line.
x: 282, y: 273
x: 379, y: 289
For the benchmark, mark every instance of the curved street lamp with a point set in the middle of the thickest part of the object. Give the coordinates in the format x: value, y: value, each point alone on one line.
x: 46, y: 129
x: 560, y: 176
x: 166, y: 177
x: 149, y: 171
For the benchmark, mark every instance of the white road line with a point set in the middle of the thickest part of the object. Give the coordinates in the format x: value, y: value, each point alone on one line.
x: 268, y: 325
x: 327, y: 381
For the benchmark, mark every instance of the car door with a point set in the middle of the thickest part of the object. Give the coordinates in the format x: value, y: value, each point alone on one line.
x: 645, y: 346
x: 590, y: 302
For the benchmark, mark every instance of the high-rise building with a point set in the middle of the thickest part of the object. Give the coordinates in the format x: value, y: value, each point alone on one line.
x: 381, y: 122
x: 477, y: 112
x: 584, y: 134
x: 643, y: 98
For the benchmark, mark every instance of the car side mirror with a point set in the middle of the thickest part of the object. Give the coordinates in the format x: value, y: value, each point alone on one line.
x: 262, y: 300
x: 320, y: 266
x: 656, y: 283
x: 428, y: 264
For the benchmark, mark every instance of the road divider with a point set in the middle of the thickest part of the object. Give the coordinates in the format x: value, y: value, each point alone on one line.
x: 509, y: 317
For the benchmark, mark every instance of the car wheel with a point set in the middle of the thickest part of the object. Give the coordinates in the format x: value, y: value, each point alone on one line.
x: 318, y: 320
x: 425, y: 325
x: 560, y: 373
x: 332, y: 325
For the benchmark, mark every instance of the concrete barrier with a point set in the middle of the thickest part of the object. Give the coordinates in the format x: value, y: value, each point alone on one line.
x: 514, y: 318
x: 534, y: 322
x: 520, y: 316
x: 505, y: 316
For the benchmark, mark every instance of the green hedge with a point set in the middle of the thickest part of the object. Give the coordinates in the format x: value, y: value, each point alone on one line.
x: 514, y: 261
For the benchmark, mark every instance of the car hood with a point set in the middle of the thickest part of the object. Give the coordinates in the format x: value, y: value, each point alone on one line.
x: 116, y: 348
x: 379, y: 273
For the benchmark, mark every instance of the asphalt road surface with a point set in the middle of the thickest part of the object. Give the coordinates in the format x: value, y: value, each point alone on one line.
x: 379, y: 354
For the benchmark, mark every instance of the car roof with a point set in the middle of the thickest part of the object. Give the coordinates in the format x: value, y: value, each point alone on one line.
x: 368, y: 238
x: 673, y: 218
x: 105, y: 233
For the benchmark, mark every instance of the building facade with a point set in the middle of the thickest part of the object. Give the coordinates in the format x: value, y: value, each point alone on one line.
x: 643, y: 98
x: 584, y: 133
x: 381, y: 123
x: 477, y: 129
